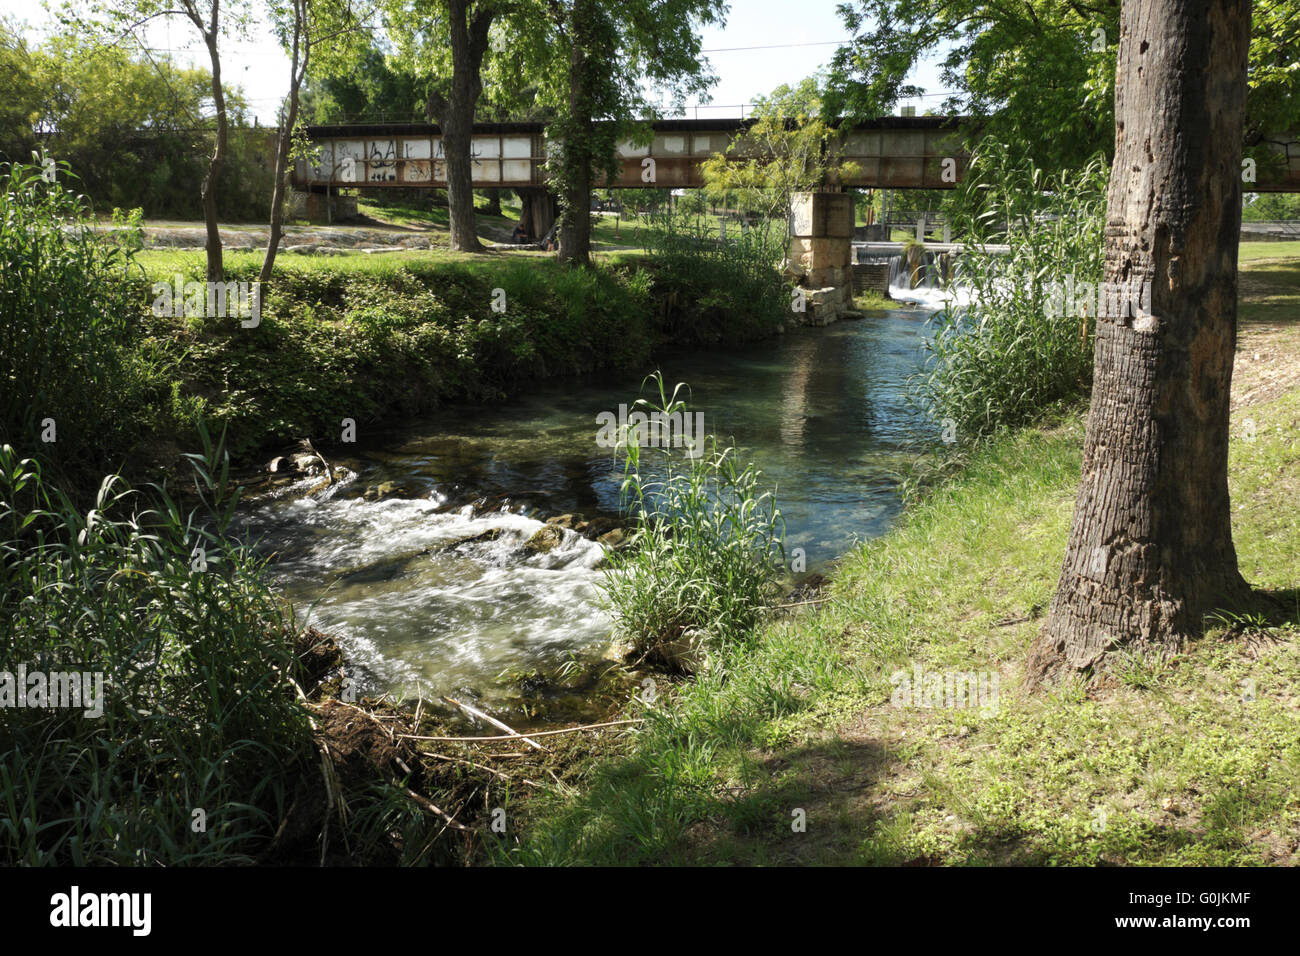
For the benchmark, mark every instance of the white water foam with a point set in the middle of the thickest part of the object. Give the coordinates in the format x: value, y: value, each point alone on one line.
x: 420, y: 596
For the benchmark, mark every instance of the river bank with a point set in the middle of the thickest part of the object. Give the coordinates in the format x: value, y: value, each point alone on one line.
x: 816, y: 748
x: 352, y: 343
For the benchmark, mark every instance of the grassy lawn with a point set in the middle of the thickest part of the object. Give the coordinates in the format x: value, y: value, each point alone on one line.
x: 407, y: 214
x: 1193, y: 761
x: 1267, y: 250
x: 161, y: 262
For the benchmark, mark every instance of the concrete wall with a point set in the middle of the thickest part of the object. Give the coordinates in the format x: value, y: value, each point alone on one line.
x: 311, y: 206
x: 873, y: 276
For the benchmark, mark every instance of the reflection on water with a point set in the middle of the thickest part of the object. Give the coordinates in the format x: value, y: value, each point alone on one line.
x: 820, y: 411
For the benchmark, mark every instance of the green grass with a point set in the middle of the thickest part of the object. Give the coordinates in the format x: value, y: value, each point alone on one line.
x: 1193, y: 762
x: 404, y: 213
x: 165, y: 261
x: 1267, y: 250
x: 871, y: 299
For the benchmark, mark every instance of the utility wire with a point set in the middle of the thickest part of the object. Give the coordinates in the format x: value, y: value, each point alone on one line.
x: 775, y: 46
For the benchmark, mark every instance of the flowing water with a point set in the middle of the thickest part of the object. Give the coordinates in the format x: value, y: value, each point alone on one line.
x: 426, y: 589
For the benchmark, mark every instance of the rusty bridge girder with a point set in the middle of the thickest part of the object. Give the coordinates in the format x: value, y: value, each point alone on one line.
x: 894, y: 152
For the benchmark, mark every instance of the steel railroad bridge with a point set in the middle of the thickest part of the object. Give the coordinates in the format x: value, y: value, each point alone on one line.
x: 894, y: 152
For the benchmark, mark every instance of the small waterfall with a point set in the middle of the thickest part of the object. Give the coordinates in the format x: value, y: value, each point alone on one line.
x: 897, y: 273
x: 925, y: 274
x: 924, y: 281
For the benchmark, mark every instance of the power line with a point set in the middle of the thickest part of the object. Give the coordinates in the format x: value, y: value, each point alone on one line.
x: 775, y: 46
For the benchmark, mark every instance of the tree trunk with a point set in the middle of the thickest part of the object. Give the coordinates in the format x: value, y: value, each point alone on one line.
x: 454, y: 113
x: 575, y: 224
x: 456, y: 142
x: 285, y: 144
x: 208, y: 193
x: 575, y: 228
x: 278, y: 193
x: 493, y: 207
x: 1150, y: 547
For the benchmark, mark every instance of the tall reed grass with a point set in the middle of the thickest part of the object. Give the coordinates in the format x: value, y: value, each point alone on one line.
x: 715, y: 290
x: 68, y: 360
x: 1005, y: 359
x: 201, y: 735
x: 707, y: 550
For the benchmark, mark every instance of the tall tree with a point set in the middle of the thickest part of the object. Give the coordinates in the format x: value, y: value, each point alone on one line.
x: 594, y: 68
x: 208, y: 23
x: 21, y: 96
x: 1039, y: 74
x: 213, y: 20
x: 372, y: 89
x: 592, y: 46
x: 124, y: 120
x: 1150, y: 547
x: 303, y: 26
x: 446, y: 41
x: 796, y: 153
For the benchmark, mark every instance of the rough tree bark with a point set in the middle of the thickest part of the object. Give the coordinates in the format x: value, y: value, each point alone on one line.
x: 454, y: 113
x: 575, y: 222
x: 1150, y: 547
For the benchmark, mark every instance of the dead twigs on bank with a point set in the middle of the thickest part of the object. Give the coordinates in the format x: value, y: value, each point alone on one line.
x: 515, y: 736
x: 499, y: 725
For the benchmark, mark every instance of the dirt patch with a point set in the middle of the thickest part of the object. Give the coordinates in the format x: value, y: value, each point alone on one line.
x: 1267, y: 364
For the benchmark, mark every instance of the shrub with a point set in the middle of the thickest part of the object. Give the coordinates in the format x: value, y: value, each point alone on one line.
x: 67, y: 333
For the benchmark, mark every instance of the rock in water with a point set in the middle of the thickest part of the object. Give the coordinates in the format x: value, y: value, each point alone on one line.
x: 545, y: 539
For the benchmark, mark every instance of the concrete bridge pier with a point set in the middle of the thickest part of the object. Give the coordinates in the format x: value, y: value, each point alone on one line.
x: 538, y: 209
x: 821, y: 247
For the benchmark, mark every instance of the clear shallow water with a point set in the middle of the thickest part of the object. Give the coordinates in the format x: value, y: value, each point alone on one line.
x: 820, y: 411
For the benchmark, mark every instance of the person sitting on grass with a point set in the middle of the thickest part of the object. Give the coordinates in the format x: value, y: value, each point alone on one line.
x: 520, y: 234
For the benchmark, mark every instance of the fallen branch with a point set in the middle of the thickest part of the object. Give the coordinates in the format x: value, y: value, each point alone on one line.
x: 467, y: 763
x: 433, y: 808
x: 475, y: 712
x: 537, y: 733
x: 776, y: 607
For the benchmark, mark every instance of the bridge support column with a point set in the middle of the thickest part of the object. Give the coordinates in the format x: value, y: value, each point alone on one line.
x: 537, y: 210
x: 821, y: 245
x: 327, y: 207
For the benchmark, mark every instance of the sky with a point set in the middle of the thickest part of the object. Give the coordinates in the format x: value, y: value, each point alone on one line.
x: 765, y: 43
